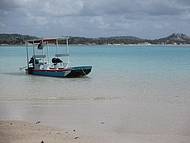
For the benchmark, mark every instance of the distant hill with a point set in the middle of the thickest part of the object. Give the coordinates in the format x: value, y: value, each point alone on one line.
x: 15, y: 38
x: 175, y: 38
x: 124, y: 37
x: 106, y: 40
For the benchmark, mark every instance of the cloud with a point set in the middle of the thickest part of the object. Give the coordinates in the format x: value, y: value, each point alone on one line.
x: 95, y: 17
x: 186, y: 2
x: 6, y: 4
x: 96, y: 8
x: 137, y: 7
x: 162, y: 8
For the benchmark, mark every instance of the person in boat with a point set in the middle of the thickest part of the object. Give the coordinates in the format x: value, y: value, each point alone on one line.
x: 32, y: 61
x: 40, y: 45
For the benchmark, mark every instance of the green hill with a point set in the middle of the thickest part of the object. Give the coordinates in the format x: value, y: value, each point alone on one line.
x: 175, y: 38
x: 15, y: 39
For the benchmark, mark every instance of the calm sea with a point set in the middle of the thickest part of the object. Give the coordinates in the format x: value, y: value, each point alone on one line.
x: 124, y: 80
x: 117, y: 71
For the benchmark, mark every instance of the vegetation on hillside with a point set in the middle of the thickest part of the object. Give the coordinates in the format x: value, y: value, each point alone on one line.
x: 175, y: 38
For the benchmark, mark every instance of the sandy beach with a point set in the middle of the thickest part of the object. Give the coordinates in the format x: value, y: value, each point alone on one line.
x: 24, y: 132
x: 98, y: 121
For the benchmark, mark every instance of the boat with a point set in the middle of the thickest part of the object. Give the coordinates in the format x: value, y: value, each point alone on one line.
x: 43, y: 64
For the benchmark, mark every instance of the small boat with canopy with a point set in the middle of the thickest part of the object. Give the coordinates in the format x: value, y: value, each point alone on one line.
x: 43, y: 64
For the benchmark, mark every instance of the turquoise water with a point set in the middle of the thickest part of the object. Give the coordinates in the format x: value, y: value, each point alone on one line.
x: 127, y: 83
x: 117, y: 70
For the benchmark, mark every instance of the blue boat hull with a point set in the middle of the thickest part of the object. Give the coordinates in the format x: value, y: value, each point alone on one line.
x: 71, y: 72
x: 79, y: 71
x: 51, y: 74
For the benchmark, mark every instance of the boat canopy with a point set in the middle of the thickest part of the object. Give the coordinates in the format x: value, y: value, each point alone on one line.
x: 46, y: 40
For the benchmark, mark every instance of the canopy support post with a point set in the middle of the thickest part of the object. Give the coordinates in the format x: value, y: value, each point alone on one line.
x: 27, y: 58
x: 34, y: 54
x: 67, y: 51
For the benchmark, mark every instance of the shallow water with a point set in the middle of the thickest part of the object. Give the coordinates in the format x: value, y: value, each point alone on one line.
x: 131, y: 90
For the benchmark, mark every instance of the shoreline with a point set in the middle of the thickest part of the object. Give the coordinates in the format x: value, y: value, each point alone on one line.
x: 24, y: 132
x: 115, y: 45
x: 16, y: 131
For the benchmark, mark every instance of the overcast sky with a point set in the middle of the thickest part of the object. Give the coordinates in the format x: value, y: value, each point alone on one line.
x: 95, y: 18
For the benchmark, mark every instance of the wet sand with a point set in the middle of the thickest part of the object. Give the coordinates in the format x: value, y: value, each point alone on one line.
x: 151, y: 120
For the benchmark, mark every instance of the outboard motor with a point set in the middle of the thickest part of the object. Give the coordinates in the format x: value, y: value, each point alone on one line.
x: 56, y: 61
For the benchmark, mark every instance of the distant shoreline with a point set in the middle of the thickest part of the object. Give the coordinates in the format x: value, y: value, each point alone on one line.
x: 173, y: 39
x: 116, y: 45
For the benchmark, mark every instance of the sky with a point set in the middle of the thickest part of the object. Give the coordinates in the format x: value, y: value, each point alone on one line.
x: 95, y: 18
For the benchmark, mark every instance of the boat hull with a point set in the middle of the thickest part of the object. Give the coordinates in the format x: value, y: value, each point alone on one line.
x: 71, y: 72
x: 79, y: 71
